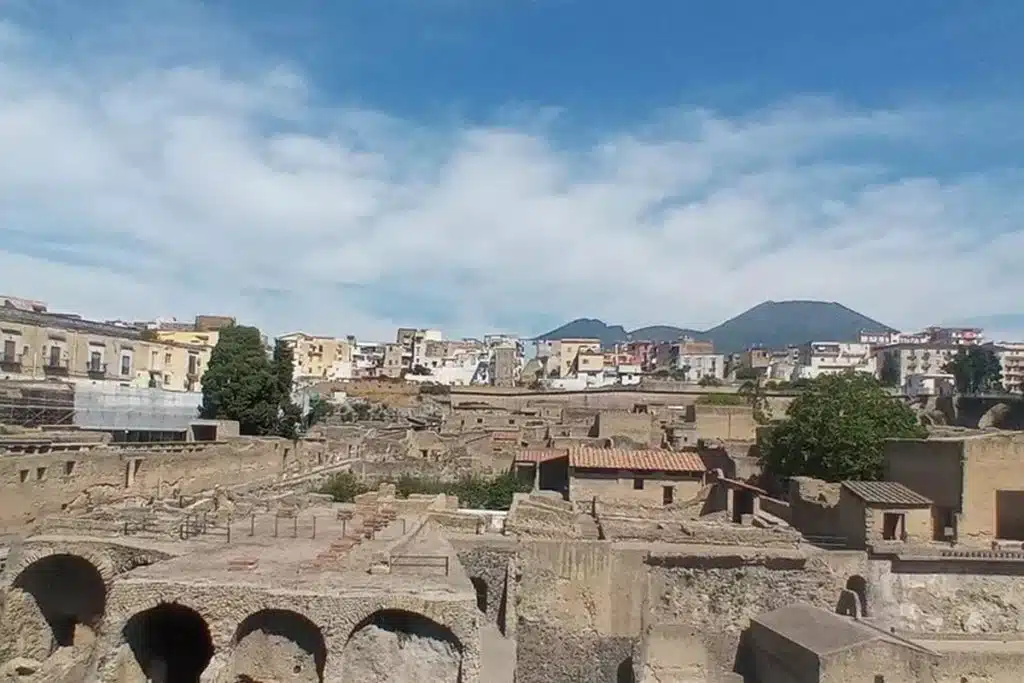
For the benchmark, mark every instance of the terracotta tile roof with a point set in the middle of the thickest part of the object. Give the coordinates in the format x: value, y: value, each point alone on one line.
x: 639, y: 460
x: 885, y: 493
x: 542, y: 454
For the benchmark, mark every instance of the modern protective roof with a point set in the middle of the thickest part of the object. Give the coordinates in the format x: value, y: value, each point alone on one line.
x: 815, y: 629
x: 886, y: 493
x: 650, y: 460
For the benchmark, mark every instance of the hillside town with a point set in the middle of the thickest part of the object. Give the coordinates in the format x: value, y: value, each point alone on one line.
x: 171, y: 355
x: 504, y: 510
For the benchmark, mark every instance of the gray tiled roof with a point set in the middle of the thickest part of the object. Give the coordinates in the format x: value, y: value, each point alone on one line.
x: 886, y: 493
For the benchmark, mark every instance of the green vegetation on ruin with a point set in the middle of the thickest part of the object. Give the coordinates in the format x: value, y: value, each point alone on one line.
x: 473, y: 491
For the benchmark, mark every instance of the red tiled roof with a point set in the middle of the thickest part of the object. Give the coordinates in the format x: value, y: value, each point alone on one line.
x: 542, y: 454
x: 639, y: 460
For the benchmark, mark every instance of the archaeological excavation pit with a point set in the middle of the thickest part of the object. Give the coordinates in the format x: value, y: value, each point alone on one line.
x: 57, y: 601
x: 171, y: 643
x: 395, y: 646
x: 278, y: 645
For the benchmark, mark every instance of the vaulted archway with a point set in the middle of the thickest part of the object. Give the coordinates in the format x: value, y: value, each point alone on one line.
x: 55, y: 601
x: 396, y: 645
x: 170, y: 642
x: 278, y: 645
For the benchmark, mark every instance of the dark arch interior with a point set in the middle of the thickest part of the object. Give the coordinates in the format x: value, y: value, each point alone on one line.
x: 859, y: 585
x: 481, y: 593
x: 409, y: 623
x: 170, y: 642
x: 290, y: 625
x: 69, y: 591
x: 624, y: 672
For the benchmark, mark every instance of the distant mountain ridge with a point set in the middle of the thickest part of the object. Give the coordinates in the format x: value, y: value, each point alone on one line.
x: 772, y: 324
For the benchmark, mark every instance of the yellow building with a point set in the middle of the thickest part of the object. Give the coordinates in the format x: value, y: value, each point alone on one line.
x: 38, y: 345
x: 570, y: 349
x: 319, y: 358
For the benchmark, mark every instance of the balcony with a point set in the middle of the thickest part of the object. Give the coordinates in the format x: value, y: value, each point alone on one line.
x: 10, y: 362
x: 55, y: 368
x: 96, y: 370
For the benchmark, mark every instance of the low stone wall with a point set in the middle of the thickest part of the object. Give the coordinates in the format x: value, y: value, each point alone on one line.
x: 541, y: 517
x: 701, y: 533
x: 814, y: 506
x: 777, y: 508
x: 34, y: 486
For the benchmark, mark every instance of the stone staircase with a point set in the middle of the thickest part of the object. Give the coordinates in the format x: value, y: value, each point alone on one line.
x: 587, y: 527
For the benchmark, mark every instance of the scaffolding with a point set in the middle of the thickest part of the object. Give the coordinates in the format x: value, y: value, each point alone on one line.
x: 37, y: 404
x: 96, y: 406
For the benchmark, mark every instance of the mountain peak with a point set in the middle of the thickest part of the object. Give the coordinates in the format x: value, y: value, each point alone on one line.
x: 771, y: 324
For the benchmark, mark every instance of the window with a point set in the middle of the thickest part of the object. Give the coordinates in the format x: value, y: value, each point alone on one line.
x: 10, y: 350
x: 23, y: 476
x: 167, y: 379
x: 638, y: 484
x: 667, y: 494
x: 69, y: 468
x: 54, y: 356
x: 167, y: 359
x: 126, y: 364
x: 95, y: 359
x: 193, y: 364
x: 40, y: 473
x: 154, y: 356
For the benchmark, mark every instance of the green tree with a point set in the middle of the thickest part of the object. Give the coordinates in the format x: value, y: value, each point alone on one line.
x: 289, y: 415
x: 319, y: 410
x: 752, y: 392
x: 240, y: 384
x: 976, y: 369
x: 836, y: 429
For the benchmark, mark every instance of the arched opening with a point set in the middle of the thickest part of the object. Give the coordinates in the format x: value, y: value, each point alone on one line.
x: 858, y: 585
x: 624, y: 674
x: 279, y: 645
x: 69, y: 597
x: 481, y: 593
x: 395, y: 645
x: 171, y: 643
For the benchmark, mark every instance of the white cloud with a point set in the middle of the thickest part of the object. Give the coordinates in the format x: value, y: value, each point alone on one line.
x: 140, y: 191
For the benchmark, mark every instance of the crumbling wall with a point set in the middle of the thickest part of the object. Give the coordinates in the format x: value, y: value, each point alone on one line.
x: 32, y: 486
x: 702, y: 533
x: 541, y: 516
x: 814, y: 506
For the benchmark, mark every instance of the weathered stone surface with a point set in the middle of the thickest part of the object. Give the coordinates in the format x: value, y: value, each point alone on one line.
x: 377, y: 654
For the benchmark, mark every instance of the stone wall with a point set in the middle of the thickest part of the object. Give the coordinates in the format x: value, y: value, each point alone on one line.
x: 731, y: 423
x: 814, y: 506
x: 32, y: 486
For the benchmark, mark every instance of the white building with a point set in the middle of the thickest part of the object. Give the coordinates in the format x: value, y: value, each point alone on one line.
x: 931, y: 384
x: 819, y: 358
x: 1011, y: 361
x: 697, y: 366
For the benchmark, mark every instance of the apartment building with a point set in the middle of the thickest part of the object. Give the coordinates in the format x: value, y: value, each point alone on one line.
x: 817, y: 358
x: 1011, y: 360
x: 695, y: 360
x: 896, y: 363
x: 320, y: 358
x: 570, y: 349
x: 39, y: 345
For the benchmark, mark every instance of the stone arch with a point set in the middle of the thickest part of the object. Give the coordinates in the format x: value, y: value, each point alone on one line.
x: 859, y: 586
x: 480, y: 586
x: 170, y: 642
x: 393, y: 644
x: 276, y: 644
x: 624, y: 672
x: 99, y: 559
x: 56, y: 600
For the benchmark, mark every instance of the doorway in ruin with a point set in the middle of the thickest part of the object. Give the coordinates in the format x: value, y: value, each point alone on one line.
x: 170, y: 642
x: 57, y: 601
x: 742, y: 504
x: 278, y: 645
x: 859, y: 586
x: 480, y: 586
x: 395, y: 645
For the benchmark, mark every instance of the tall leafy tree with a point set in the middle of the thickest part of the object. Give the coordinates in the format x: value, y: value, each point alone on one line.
x: 289, y: 414
x: 836, y: 429
x: 240, y: 383
x: 976, y: 369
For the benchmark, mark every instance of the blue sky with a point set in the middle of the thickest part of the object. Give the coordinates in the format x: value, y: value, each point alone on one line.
x: 510, y: 164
